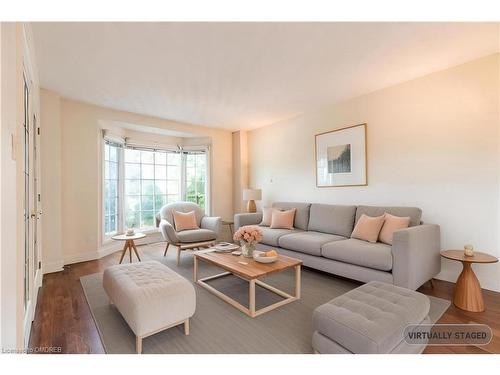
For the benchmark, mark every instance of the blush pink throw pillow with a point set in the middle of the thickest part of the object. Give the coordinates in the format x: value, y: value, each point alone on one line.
x: 184, y: 220
x: 267, y: 215
x: 391, y: 224
x: 367, y: 228
x: 282, y: 219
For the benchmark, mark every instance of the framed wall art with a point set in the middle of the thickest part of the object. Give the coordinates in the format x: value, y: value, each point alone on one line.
x: 341, y: 157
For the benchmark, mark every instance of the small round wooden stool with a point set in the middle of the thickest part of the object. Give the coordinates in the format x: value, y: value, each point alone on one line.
x: 468, y: 295
x: 129, y: 244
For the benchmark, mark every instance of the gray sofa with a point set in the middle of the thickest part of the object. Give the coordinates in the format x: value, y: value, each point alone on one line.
x: 321, y: 239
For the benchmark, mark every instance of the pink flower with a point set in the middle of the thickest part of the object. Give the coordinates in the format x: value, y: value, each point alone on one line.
x: 251, y: 234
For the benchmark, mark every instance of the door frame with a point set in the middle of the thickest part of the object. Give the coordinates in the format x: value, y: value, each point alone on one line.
x: 35, y: 219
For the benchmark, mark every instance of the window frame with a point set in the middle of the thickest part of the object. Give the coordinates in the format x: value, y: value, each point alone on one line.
x: 119, y: 204
x: 140, y: 163
x: 185, y: 153
x: 106, y: 238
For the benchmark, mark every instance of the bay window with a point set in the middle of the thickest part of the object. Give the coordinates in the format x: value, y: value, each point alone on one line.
x: 111, y: 172
x: 138, y: 181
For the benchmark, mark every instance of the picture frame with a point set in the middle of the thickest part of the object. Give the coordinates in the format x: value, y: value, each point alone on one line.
x: 341, y: 157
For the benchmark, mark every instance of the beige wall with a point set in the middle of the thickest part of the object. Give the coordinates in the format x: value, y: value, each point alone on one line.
x: 16, y: 57
x: 432, y: 142
x: 80, y: 144
x: 51, y: 190
x: 240, y: 168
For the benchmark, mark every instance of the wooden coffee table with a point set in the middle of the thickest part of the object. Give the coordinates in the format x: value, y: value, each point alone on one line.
x: 468, y: 295
x: 251, y: 271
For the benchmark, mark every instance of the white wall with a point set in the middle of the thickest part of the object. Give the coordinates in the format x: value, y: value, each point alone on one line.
x: 80, y: 143
x: 432, y: 142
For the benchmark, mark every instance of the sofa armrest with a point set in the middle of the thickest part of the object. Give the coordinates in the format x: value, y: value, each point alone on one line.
x: 212, y: 223
x: 415, y: 254
x: 168, y: 232
x: 240, y: 220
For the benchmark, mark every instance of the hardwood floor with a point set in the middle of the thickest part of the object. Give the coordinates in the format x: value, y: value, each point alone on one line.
x: 63, y: 318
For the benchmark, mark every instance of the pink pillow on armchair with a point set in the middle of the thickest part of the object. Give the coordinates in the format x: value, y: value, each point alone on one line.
x: 184, y: 220
x: 282, y: 219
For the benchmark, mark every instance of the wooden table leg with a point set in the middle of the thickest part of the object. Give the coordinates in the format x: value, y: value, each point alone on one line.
x: 166, y: 249
x: 297, y: 281
x: 129, y: 251
x: 124, y: 251
x: 186, y: 327
x: 136, y: 252
x: 468, y: 295
x: 195, y: 269
x: 251, y: 298
x: 138, y: 344
x: 178, y: 255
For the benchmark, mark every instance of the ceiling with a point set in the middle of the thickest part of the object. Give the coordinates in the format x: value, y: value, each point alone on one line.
x: 244, y: 75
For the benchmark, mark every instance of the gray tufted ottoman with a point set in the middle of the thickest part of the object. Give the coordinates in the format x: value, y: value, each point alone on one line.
x: 369, y: 319
x: 150, y: 296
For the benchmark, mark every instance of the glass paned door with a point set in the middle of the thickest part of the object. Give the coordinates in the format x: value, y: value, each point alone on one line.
x: 35, y: 213
x: 27, y: 201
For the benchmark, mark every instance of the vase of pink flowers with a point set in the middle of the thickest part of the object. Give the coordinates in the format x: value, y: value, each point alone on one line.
x: 248, y: 236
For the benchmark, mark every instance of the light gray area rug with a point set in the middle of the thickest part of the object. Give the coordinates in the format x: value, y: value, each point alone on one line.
x: 218, y: 327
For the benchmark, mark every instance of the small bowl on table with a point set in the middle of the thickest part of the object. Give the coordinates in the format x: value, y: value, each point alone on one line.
x: 260, y: 256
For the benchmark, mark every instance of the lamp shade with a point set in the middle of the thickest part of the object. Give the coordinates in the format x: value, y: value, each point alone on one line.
x: 252, y: 194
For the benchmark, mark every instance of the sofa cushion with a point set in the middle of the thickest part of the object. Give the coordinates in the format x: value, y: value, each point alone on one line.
x: 368, y: 228
x: 307, y: 242
x: 267, y: 214
x: 372, y: 255
x: 283, y: 219
x: 196, y: 235
x: 271, y: 236
x: 301, y: 215
x: 414, y: 213
x: 391, y: 224
x: 333, y: 219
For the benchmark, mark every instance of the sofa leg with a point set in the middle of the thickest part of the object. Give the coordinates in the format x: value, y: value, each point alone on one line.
x: 138, y: 344
x: 432, y: 283
x: 186, y: 327
x: 166, y: 249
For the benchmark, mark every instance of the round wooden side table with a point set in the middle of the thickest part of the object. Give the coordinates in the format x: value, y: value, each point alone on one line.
x: 129, y: 244
x: 468, y: 295
x: 229, y: 223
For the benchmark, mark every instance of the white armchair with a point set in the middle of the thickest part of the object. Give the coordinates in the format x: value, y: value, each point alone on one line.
x: 206, y: 235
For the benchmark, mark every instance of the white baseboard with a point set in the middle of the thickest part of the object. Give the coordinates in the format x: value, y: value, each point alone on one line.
x: 90, y: 255
x: 107, y: 248
x: 54, y: 266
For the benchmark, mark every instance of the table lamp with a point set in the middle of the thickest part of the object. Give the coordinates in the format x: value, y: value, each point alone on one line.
x: 252, y: 195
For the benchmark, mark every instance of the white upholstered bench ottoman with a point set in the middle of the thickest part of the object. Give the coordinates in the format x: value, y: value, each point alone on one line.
x: 150, y: 296
x: 370, y: 319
